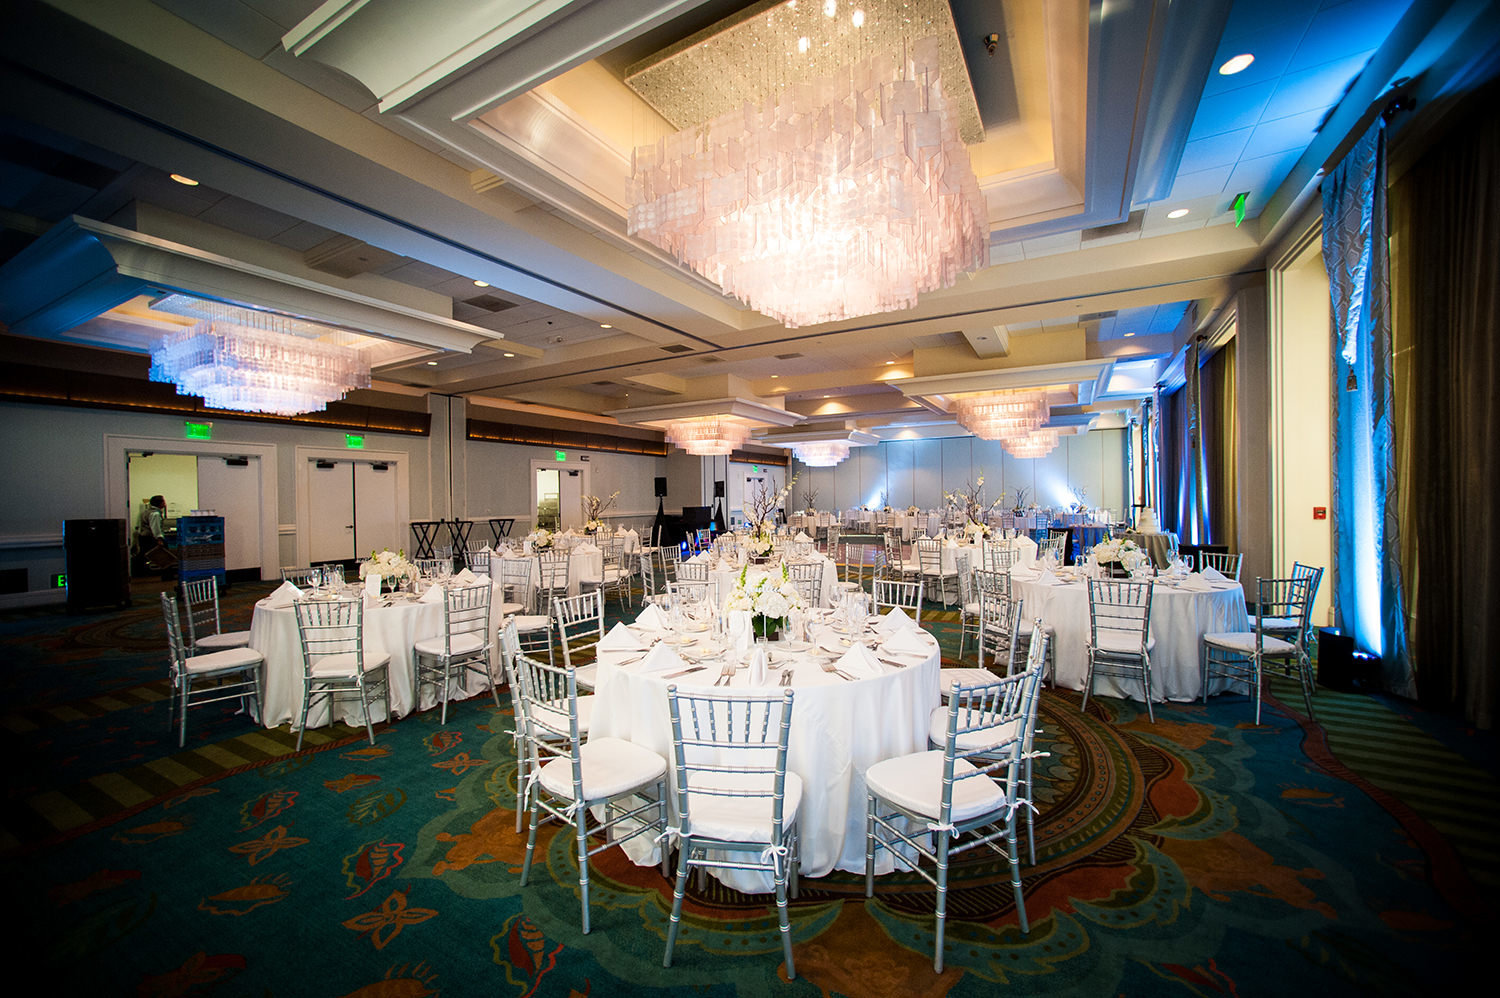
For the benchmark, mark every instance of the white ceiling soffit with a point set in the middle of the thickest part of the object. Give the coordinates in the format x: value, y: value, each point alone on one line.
x: 749, y: 410
x: 814, y: 435
x: 82, y: 268
x: 936, y: 392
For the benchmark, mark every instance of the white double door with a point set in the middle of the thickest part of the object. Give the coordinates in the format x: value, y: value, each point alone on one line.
x: 351, y: 509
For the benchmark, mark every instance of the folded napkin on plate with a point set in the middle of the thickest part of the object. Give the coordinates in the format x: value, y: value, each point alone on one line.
x: 802, y: 538
x: 285, y: 595
x: 620, y: 638
x: 1046, y: 578
x: 759, y: 671
x: 895, y: 620
x: 859, y: 663
x: 1197, y: 583
x: 586, y: 547
x: 660, y: 659
x: 907, y: 641
x: 651, y: 618
x: 701, y: 556
x: 1214, y: 575
x: 434, y: 594
x: 371, y: 599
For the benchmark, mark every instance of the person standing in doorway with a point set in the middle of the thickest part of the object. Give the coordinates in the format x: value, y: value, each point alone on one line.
x: 159, y: 557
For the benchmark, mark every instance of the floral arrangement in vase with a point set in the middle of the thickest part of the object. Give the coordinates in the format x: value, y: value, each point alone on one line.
x: 760, y: 513
x: 970, y: 499
x: 885, y: 502
x: 594, y: 509
x: 391, y: 566
x: 811, y: 498
x: 1125, y: 554
x: 913, y: 509
x: 540, y: 539
x: 770, y: 597
x: 1080, y: 498
x: 1020, y: 504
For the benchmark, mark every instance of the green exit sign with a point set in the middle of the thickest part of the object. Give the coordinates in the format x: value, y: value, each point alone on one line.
x: 561, y: 455
x: 198, y: 431
x: 755, y: 469
x: 354, y: 441
x: 60, y: 580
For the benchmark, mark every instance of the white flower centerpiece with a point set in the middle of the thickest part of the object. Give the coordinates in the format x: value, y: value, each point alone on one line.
x: 540, y: 539
x: 594, y: 509
x: 1119, y: 556
x: 391, y: 566
x: 970, y: 499
x: 811, y: 498
x: 913, y: 510
x: 770, y: 597
x: 760, y: 513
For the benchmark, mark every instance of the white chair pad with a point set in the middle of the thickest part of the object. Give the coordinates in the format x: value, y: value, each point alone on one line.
x: 557, y: 719
x: 586, y: 676
x: 1123, y: 642
x: 219, y: 661
x: 219, y: 642
x: 344, y: 665
x: 950, y: 678
x: 1243, y: 642
x: 1281, y: 623
x: 511, y: 609
x: 463, y: 644
x: 532, y: 623
x: 915, y: 783
x: 970, y: 741
x: 610, y: 767
x: 741, y: 819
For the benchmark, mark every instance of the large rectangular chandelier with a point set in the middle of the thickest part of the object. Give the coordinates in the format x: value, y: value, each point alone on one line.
x: 842, y: 196
x: 249, y: 360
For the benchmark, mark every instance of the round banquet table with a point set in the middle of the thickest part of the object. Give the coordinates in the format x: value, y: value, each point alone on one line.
x: 583, y: 566
x: 390, y: 629
x: 1179, y: 619
x: 1161, y: 546
x: 724, y: 579
x: 839, y: 729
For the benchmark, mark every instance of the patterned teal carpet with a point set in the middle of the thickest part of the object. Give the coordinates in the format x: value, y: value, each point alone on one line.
x: 1199, y: 855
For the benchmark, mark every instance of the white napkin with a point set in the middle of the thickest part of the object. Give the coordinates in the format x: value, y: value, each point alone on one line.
x: 1046, y: 578
x: 906, y: 641
x: 620, y: 638
x: 434, y: 594
x: 701, y: 556
x: 802, y: 538
x: 286, y: 594
x: 465, y: 578
x: 759, y: 673
x: 587, y: 547
x: 651, y: 618
x: 660, y: 658
x: 371, y: 599
x: 859, y: 663
x: 372, y: 585
x: 895, y: 620
x: 621, y: 531
x: 1197, y: 583
x: 1214, y: 575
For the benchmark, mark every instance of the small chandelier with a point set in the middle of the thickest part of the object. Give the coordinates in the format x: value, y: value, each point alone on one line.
x: 708, y: 436
x: 1003, y: 415
x: 1038, y: 443
x: 821, y: 453
x: 247, y: 360
x: 842, y: 197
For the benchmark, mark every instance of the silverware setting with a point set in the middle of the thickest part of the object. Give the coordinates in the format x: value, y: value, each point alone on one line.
x: 684, y: 672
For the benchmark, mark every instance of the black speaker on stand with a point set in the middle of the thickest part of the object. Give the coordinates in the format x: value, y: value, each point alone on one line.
x: 658, y: 526
x: 720, y: 526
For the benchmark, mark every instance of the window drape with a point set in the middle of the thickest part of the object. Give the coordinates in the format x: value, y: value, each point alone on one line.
x: 1366, y: 534
x: 1450, y: 246
x: 1220, y: 430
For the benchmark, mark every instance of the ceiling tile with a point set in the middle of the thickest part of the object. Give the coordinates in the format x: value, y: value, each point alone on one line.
x: 1318, y: 86
x: 1261, y: 177
x: 251, y: 219
x: 1231, y: 110
x: 1272, y: 46
x: 1200, y: 184
x: 1214, y: 150
x: 303, y: 236
x: 1292, y: 132
x: 1342, y: 30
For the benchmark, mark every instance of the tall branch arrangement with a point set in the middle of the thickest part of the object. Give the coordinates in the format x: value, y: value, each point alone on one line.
x: 811, y: 498
x: 970, y: 499
x: 763, y: 501
x: 594, y: 509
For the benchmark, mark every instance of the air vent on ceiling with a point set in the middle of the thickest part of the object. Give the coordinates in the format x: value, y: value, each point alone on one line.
x: 1096, y: 316
x: 602, y: 384
x: 1128, y: 227
x: 489, y: 303
x: 788, y: 356
x: 713, y: 360
x: 676, y: 348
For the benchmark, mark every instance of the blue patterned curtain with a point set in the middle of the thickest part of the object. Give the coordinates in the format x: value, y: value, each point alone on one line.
x: 1366, y: 534
x: 1194, y: 487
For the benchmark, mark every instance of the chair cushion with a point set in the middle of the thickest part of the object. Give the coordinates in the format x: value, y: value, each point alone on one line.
x: 585, y: 675
x: 532, y: 623
x: 610, y: 766
x: 971, y: 609
x: 1123, y: 642
x: 1243, y: 642
x: 950, y: 678
x: 463, y: 644
x: 558, y: 719
x: 969, y: 741
x: 218, y: 642
x: 739, y: 819
x: 511, y: 609
x: 227, y: 659
x: 344, y: 665
x: 915, y: 783
x: 1281, y: 623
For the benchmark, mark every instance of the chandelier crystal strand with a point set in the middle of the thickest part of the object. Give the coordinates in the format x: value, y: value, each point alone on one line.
x: 1039, y: 443
x: 708, y: 436
x: 821, y: 454
x: 1003, y: 415
x: 844, y: 197
x: 252, y: 361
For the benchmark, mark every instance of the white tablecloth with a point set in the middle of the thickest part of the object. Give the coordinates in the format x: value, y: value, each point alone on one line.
x: 393, y: 630
x: 725, y: 578
x: 1179, y: 619
x: 839, y: 730
x: 583, y: 566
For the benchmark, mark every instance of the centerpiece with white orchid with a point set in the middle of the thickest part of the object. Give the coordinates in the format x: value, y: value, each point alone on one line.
x: 594, y: 509
x: 970, y: 499
x: 391, y: 566
x: 1123, y: 553
x: 540, y: 539
x: 811, y: 498
x: 770, y: 597
x: 760, y: 513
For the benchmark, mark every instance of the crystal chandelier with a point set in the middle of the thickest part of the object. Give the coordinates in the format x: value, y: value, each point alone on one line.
x: 838, y: 198
x: 1002, y: 415
x: 821, y: 453
x: 708, y: 436
x: 248, y: 360
x: 1038, y: 443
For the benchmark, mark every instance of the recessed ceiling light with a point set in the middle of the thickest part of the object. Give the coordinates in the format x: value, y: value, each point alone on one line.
x: 185, y: 181
x: 605, y: 325
x: 481, y: 284
x: 889, y: 363
x: 508, y: 355
x: 432, y: 363
x: 828, y: 396
x: 775, y: 375
x: 1177, y: 212
x: 1130, y: 334
x: 1238, y: 64
x: 858, y: 18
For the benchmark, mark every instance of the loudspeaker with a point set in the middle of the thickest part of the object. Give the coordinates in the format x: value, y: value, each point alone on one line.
x: 661, y: 488
x: 718, y: 490
x: 98, y: 563
x: 1335, y: 660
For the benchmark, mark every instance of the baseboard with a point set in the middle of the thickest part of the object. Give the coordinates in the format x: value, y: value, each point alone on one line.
x: 36, y: 597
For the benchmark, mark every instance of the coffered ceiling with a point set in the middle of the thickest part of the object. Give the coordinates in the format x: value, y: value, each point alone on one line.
x: 396, y: 155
